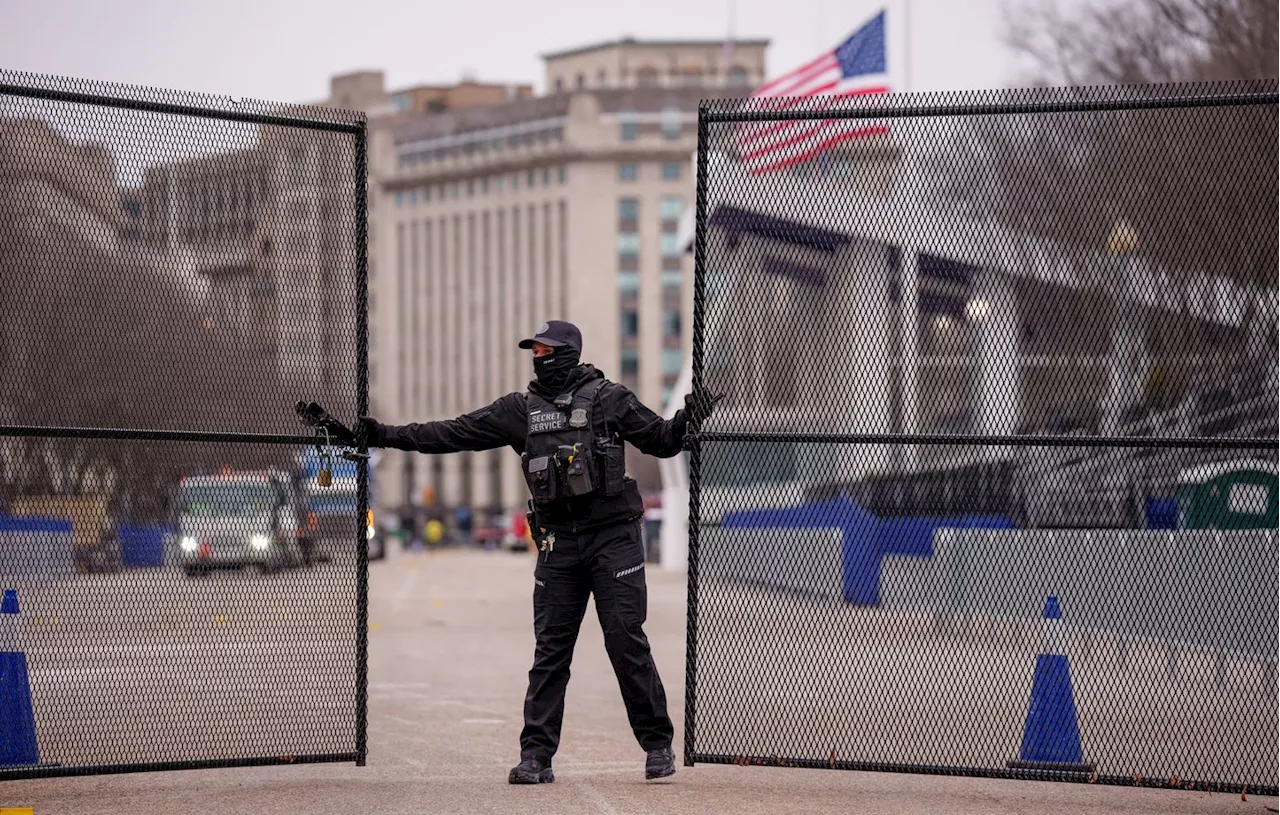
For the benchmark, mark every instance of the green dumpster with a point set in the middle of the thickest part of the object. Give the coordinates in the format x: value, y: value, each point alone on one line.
x: 1239, y: 494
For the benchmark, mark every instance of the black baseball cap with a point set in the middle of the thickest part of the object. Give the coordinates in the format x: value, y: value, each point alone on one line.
x: 555, y: 333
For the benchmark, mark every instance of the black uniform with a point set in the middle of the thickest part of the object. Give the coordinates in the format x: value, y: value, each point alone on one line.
x: 569, y: 439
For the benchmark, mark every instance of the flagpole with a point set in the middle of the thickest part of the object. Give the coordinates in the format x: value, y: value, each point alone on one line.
x: 726, y: 53
x: 906, y: 46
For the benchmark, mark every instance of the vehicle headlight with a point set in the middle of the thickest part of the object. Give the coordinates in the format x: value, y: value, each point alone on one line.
x: 189, y: 544
x: 259, y: 541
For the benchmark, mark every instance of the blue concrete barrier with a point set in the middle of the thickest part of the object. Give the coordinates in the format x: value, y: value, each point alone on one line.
x: 1161, y: 513
x: 866, y: 537
x: 36, y: 548
x: 141, y: 546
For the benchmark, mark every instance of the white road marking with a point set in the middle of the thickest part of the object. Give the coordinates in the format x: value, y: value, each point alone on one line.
x: 406, y: 588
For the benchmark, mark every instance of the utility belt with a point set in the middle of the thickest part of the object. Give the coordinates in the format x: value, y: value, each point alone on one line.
x: 574, y: 470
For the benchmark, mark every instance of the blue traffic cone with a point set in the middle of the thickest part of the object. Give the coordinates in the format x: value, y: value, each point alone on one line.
x: 17, y: 718
x: 1051, y: 733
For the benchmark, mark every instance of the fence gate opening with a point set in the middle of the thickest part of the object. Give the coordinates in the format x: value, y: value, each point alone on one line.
x: 993, y: 490
x: 178, y: 271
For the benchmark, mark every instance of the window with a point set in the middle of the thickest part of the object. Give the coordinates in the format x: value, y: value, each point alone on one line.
x: 457, y: 188
x: 601, y: 78
x: 671, y: 323
x: 546, y: 176
x: 671, y: 207
x: 559, y: 85
x: 627, y: 172
x: 628, y: 282
x: 671, y: 122
x: 628, y: 209
x: 484, y: 185
x: 627, y: 125
x: 672, y: 361
x: 670, y: 245
x: 399, y: 198
x: 562, y: 173
x: 580, y: 81
x: 630, y: 362
x: 628, y: 244
x: 532, y: 179
x: 630, y: 323
x: 738, y: 77
x: 426, y: 193
x: 515, y: 181
x: 647, y: 77
x: 670, y: 171
x: 502, y: 183
x: 471, y: 188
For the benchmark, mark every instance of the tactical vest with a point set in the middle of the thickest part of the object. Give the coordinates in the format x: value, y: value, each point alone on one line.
x: 569, y: 451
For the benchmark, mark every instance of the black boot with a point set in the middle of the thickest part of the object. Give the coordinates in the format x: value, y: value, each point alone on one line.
x: 660, y: 763
x: 531, y: 771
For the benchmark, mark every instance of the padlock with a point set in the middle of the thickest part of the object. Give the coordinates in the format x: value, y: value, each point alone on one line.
x: 325, y: 477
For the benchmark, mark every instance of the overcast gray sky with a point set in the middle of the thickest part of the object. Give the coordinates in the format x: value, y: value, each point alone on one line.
x: 285, y: 50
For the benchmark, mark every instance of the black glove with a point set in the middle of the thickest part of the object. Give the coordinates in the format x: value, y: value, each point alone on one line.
x: 368, y: 429
x: 317, y: 417
x: 699, y: 404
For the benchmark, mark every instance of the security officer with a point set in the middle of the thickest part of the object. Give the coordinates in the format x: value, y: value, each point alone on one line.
x: 568, y: 429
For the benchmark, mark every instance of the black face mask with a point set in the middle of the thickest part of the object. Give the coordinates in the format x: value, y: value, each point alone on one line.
x: 553, y: 369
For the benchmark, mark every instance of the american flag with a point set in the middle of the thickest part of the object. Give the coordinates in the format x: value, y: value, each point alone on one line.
x: 855, y: 68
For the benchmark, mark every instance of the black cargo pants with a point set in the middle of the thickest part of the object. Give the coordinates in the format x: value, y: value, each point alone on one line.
x: 608, y: 563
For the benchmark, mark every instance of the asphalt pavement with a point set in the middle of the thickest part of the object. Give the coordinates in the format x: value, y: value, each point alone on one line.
x: 450, y: 644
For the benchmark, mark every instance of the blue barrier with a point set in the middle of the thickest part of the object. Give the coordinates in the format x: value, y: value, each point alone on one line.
x: 37, y: 548
x: 32, y: 523
x: 860, y: 555
x: 142, y: 546
x: 1161, y: 513
x: 866, y: 537
x: 914, y: 535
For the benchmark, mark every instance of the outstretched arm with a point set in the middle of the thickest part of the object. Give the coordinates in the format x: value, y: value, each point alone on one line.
x: 499, y: 424
x: 637, y: 424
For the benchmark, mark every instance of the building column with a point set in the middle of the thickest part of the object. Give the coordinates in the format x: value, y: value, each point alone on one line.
x: 450, y: 492
x: 480, y: 481
x: 1129, y: 360
x: 851, y: 352
x: 909, y: 350
x: 514, y: 495
x: 993, y: 314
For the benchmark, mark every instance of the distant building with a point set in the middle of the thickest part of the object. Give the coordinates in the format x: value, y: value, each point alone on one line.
x: 631, y: 63
x: 367, y: 91
x: 60, y: 218
x: 486, y: 221
x: 264, y: 238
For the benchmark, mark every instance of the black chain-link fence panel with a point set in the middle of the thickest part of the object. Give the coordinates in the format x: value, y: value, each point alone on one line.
x: 992, y: 490
x: 178, y: 272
